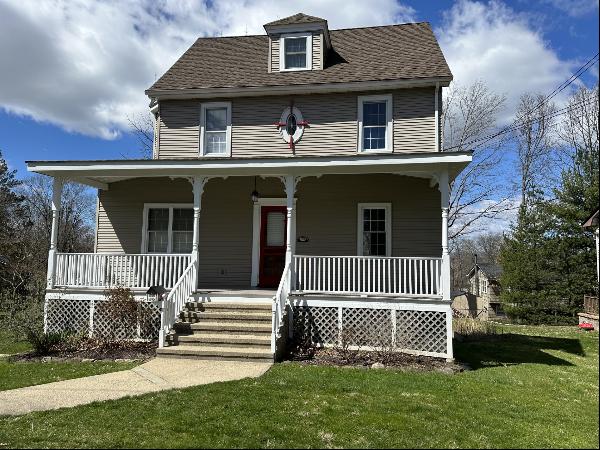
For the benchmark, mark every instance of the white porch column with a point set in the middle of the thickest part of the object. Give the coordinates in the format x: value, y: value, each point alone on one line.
x: 198, y: 189
x: 290, y: 183
x: 57, y: 187
x: 445, y: 204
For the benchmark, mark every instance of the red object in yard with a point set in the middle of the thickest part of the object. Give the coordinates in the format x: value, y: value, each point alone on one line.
x: 586, y: 326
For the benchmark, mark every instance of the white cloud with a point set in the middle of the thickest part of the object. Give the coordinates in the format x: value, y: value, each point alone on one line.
x: 84, y: 65
x: 492, y: 43
x: 575, y: 8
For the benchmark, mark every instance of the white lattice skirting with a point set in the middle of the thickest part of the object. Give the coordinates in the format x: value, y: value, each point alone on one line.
x: 423, y: 332
x: 87, y: 316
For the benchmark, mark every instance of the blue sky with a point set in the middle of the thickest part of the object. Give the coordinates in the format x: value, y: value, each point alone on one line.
x: 79, y: 71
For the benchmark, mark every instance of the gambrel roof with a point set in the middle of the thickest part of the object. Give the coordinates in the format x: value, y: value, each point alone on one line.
x: 395, y: 52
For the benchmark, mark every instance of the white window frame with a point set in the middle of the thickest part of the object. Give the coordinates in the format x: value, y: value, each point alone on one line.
x: 389, y: 132
x: 388, y: 226
x: 282, y: 39
x: 203, y: 108
x: 170, y: 207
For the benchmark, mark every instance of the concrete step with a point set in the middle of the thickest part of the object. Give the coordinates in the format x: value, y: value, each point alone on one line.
x: 253, y: 316
x: 224, y: 339
x: 236, y: 327
x: 214, y: 306
x: 216, y: 352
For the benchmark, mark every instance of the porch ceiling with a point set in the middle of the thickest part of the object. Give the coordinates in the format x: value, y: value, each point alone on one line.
x: 101, y: 173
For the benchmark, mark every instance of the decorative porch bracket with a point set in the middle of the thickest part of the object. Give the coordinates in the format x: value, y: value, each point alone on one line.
x: 57, y: 188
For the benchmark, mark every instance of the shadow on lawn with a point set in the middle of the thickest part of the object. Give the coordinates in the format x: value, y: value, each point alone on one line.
x: 511, y: 349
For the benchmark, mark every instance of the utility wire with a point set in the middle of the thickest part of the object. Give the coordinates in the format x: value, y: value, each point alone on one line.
x: 553, y: 94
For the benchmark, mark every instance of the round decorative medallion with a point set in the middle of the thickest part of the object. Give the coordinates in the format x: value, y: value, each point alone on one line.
x: 292, y: 125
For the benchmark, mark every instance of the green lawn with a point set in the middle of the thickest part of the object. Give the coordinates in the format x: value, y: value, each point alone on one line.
x: 536, y: 387
x: 20, y: 374
x: 9, y: 345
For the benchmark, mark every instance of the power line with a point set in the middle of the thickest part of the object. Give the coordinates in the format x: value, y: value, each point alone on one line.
x: 590, y: 62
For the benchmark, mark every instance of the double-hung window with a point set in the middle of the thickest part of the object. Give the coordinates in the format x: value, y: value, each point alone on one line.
x: 215, y: 134
x: 375, y: 123
x: 374, y: 229
x: 295, y: 52
x: 168, y: 228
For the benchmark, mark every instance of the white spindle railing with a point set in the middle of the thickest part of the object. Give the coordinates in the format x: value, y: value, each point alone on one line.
x: 176, y: 300
x: 102, y: 270
x: 279, y: 305
x: 368, y: 275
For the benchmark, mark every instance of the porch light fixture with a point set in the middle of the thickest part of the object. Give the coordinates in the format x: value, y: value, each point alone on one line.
x: 255, y: 195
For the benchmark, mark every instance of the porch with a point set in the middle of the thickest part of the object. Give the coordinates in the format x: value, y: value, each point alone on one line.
x: 348, y: 248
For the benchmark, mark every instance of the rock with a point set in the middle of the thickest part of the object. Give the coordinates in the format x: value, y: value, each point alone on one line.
x: 87, y: 360
x: 377, y: 365
x: 446, y: 370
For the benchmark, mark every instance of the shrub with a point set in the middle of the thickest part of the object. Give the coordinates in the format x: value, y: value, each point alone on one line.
x: 124, y: 314
x: 472, y: 328
x: 43, y: 343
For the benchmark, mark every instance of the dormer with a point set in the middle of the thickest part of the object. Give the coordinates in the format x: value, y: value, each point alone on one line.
x: 298, y: 42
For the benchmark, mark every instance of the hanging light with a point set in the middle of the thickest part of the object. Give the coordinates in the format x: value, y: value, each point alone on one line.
x: 255, y: 195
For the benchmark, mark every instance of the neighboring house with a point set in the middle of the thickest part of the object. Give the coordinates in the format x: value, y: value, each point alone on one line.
x: 297, y: 186
x: 484, y: 285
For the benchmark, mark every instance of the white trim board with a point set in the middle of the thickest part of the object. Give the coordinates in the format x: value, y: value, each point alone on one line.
x: 256, y: 231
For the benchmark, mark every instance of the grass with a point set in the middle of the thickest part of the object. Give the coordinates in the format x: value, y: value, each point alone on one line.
x: 9, y: 345
x: 530, y: 387
x: 24, y: 373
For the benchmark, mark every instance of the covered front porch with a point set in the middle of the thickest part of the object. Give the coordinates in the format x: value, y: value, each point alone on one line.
x: 363, y: 237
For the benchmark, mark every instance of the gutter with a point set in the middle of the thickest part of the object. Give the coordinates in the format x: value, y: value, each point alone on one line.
x: 256, y: 91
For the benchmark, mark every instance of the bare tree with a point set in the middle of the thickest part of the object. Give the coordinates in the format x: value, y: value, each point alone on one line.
x: 479, y: 192
x: 485, y: 245
x: 142, y: 127
x: 580, y: 127
x: 535, y: 140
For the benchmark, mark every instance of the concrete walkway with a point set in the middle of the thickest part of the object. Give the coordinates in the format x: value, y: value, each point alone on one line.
x: 157, y: 375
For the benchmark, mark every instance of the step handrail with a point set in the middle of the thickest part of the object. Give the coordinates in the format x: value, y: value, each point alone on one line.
x: 176, y: 300
x: 279, y: 304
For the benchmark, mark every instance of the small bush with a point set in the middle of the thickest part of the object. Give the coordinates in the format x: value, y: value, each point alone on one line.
x: 125, y: 314
x: 43, y: 343
x: 471, y: 328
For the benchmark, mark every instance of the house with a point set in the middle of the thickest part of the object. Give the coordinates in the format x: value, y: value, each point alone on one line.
x: 297, y: 186
x: 484, y: 289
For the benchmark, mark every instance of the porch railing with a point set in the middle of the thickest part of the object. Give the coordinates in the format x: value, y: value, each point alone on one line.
x: 368, y: 275
x: 176, y: 300
x: 279, y: 306
x: 102, y: 270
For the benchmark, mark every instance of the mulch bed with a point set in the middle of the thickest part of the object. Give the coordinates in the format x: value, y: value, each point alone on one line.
x: 95, y: 351
x: 373, y: 360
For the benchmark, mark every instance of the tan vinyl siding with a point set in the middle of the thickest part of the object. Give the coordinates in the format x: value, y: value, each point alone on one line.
x: 275, y: 53
x: 327, y: 214
x: 332, y: 130
x: 317, y: 51
x: 179, y: 120
x: 414, y: 120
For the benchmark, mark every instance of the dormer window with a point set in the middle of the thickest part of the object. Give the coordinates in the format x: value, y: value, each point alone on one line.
x: 295, y: 52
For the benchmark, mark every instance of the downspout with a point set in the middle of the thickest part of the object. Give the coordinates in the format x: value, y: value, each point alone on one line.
x: 437, y: 117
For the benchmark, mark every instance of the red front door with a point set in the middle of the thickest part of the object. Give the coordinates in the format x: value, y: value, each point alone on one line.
x: 273, y: 223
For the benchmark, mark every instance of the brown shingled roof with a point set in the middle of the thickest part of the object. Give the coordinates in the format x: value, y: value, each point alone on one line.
x: 296, y: 18
x: 394, y: 52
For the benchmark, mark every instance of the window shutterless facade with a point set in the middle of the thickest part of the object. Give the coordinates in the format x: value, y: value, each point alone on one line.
x: 374, y: 229
x: 295, y: 52
x: 215, y: 129
x: 375, y: 123
x: 168, y: 228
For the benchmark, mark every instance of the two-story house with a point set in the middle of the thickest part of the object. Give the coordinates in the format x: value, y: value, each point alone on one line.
x: 297, y: 185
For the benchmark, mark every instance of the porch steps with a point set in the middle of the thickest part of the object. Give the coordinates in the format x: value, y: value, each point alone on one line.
x: 222, y: 330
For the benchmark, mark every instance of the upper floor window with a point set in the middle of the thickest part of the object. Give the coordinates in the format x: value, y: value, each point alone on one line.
x: 375, y: 123
x: 215, y: 129
x: 295, y: 52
